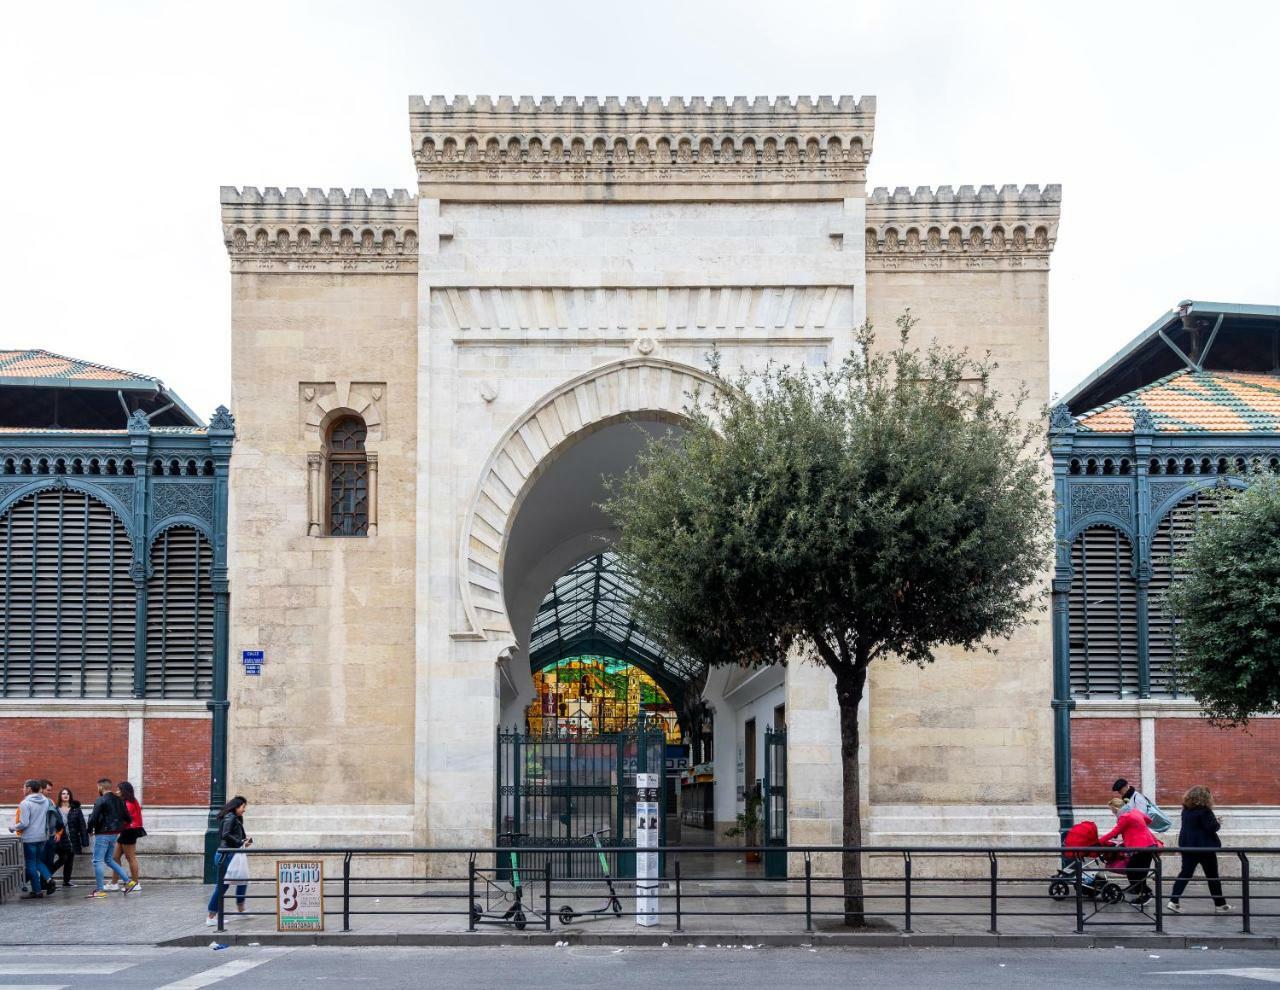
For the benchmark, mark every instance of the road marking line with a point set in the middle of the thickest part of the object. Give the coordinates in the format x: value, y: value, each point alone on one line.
x: 63, y: 969
x: 82, y: 950
x: 1244, y: 973
x: 34, y: 986
x: 218, y: 973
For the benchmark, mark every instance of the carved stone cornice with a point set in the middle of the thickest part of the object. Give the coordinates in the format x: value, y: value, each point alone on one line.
x: 337, y: 231
x: 962, y: 230
x: 634, y: 149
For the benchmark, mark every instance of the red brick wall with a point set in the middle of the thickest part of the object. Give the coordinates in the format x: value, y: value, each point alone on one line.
x: 1103, y: 749
x: 1240, y: 766
x: 175, y: 761
x: 72, y: 752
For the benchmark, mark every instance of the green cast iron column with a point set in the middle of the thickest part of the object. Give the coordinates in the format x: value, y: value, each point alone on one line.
x: 1061, y: 436
x: 221, y: 437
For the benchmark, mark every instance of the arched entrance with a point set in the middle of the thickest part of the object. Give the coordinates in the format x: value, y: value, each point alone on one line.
x: 542, y: 585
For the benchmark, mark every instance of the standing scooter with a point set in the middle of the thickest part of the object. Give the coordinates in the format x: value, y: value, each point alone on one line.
x: 613, y: 907
x: 517, y: 913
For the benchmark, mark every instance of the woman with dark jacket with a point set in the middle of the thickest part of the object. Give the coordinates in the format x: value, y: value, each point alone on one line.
x: 1199, y: 828
x: 230, y: 836
x: 75, y: 835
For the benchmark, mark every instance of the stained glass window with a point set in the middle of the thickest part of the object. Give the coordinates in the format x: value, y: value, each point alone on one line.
x: 348, y: 478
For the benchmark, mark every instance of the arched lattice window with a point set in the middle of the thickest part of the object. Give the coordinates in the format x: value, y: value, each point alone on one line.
x: 348, y: 478
x: 1103, y: 615
x: 1168, y: 543
x: 180, y: 615
x: 67, y: 599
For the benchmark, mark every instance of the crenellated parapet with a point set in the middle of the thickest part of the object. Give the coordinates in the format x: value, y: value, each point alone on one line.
x: 358, y: 231
x: 637, y: 149
x: 962, y: 229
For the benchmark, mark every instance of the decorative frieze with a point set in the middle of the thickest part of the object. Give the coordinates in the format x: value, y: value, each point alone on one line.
x: 1112, y: 498
x: 508, y: 149
x: 766, y: 310
x: 176, y: 498
x: 293, y: 231
x: 962, y: 230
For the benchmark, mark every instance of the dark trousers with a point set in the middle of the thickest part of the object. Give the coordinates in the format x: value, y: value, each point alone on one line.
x: 1138, y: 868
x: 65, y: 861
x: 1207, y: 862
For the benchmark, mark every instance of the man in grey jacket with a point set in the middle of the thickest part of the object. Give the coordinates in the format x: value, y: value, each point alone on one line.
x: 33, y: 828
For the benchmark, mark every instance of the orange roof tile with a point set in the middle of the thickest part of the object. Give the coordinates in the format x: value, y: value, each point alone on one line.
x: 1195, y: 402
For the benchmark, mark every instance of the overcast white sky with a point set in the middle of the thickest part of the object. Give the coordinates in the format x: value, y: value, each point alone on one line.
x: 120, y: 121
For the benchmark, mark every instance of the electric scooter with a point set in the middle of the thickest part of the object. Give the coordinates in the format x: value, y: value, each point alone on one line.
x: 517, y: 913
x: 613, y: 907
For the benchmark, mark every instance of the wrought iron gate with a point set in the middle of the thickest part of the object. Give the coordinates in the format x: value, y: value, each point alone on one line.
x: 555, y: 791
x: 775, y: 801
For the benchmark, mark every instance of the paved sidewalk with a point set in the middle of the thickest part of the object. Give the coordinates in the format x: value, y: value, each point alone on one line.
x: 748, y: 911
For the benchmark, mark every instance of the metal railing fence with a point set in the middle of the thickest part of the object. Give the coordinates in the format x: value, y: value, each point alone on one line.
x: 1054, y: 890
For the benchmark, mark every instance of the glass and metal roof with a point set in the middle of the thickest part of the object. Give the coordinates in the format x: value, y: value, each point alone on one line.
x: 589, y: 611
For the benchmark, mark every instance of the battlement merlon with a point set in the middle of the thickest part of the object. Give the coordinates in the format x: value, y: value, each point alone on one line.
x: 358, y: 231
x: 962, y: 229
x: 526, y: 149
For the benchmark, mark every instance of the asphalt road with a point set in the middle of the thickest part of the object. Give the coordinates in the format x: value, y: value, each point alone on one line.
x: 519, y: 967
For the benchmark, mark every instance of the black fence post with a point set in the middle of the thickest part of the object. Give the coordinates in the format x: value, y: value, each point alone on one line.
x: 808, y: 892
x: 225, y: 861
x: 1159, y: 895
x: 546, y: 893
x: 1079, y: 881
x: 679, y: 927
x: 994, y: 874
x: 906, y: 889
x: 1244, y: 894
x: 346, y: 892
x: 471, y: 892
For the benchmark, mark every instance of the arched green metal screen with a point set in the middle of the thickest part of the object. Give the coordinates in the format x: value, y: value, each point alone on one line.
x: 589, y: 611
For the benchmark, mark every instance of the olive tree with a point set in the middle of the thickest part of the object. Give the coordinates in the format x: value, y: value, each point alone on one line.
x: 874, y: 510
x: 1227, y: 604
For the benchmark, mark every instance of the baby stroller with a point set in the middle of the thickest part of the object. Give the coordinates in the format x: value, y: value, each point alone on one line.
x: 1094, y: 882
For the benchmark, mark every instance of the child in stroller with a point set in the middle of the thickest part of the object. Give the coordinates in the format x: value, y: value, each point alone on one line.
x: 1094, y: 882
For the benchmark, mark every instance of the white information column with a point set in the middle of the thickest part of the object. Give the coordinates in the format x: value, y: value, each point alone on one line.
x: 647, y: 832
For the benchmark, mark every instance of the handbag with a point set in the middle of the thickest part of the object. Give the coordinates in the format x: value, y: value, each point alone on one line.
x: 238, y: 868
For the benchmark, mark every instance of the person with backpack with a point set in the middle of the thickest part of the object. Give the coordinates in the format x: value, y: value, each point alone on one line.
x: 108, y: 819
x: 75, y: 835
x: 1199, y: 828
x: 1135, y: 800
x: 32, y: 827
x: 55, y: 834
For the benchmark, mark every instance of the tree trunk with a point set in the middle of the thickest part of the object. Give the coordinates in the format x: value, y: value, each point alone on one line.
x: 849, y: 696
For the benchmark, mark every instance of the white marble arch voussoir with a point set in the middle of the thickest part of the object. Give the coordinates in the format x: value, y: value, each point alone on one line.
x: 634, y: 385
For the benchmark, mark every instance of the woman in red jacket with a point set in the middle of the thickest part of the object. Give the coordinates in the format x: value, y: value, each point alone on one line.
x: 127, y: 846
x: 1131, y: 827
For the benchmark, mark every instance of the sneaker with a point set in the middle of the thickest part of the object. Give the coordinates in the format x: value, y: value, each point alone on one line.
x: 210, y: 922
x: 96, y: 893
x: 68, y: 883
x: 112, y: 887
x: 1173, y: 907
x: 50, y: 887
x: 1222, y: 908
x: 131, y: 886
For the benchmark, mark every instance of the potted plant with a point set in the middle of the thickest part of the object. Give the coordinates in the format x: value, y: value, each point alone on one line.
x: 748, y: 825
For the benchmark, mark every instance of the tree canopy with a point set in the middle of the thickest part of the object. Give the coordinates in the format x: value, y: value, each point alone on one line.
x: 1227, y: 603
x: 886, y: 506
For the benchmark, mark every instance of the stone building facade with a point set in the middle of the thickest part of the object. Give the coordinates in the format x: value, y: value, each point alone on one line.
x: 429, y: 386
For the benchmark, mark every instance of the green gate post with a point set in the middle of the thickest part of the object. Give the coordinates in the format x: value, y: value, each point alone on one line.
x: 775, y: 783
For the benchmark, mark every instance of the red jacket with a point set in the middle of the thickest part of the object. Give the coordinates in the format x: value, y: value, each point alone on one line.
x: 135, y: 814
x: 1132, y: 829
